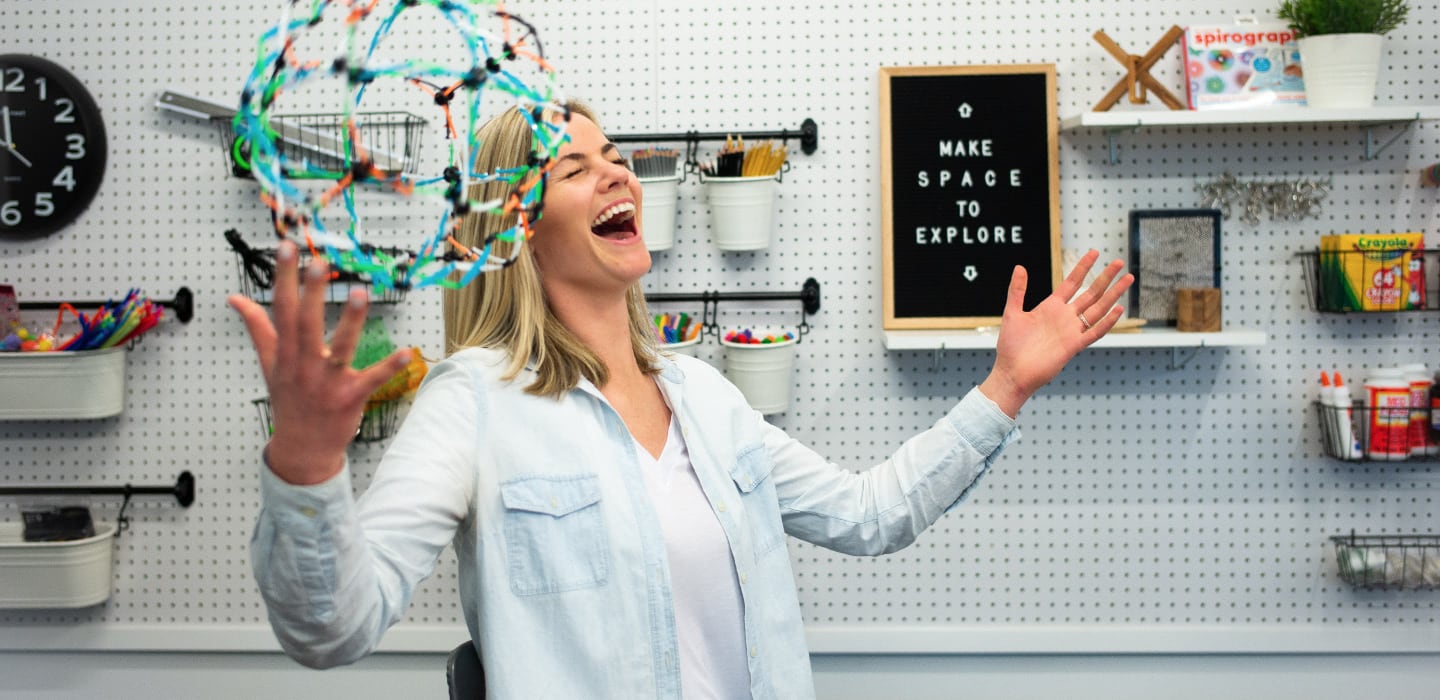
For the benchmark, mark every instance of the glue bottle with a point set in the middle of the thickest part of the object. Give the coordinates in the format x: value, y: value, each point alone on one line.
x: 1343, y: 407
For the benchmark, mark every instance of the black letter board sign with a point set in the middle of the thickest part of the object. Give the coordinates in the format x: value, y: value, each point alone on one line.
x: 970, y: 188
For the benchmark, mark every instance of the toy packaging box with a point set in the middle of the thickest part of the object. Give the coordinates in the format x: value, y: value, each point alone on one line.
x: 1242, y: 66
x: 1372, y: 271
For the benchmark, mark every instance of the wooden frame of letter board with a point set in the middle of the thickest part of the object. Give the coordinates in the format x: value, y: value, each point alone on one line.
x: 998, y: 289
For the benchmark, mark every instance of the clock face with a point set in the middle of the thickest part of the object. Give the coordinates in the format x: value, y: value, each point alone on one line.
x: 52, y: 147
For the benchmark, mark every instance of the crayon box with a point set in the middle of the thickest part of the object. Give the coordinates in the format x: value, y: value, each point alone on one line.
x: 1242, y: 66
x: 1372, y: 272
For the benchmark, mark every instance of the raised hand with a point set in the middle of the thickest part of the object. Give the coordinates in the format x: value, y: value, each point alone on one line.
x: 316, y: 399
x: 1035, y: 345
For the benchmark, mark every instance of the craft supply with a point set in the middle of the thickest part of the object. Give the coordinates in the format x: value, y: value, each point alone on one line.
x: 677, y: 328
x: 1387, y: 401
x: 654, y: 162
x: 1246, y: 64
x: 1372, y: 272
x: 1420, y: 381
x: 1345, y: 403
x: 747, y: 337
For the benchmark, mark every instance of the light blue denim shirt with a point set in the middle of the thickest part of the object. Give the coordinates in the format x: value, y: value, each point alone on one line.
x: 563, y: 575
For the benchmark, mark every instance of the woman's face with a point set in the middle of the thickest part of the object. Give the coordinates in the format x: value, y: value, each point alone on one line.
x: 588, y: 235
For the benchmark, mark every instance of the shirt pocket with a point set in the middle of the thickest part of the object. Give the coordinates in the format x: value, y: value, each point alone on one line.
x: 751, y: 474
x: 555, y: 539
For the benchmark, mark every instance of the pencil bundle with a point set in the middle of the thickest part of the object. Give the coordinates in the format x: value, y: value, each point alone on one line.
x: 734, y: 160
x: 654, y: 162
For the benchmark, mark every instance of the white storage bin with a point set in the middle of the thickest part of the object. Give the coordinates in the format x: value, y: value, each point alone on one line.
x: 72, y: 574
x: 60, y: 385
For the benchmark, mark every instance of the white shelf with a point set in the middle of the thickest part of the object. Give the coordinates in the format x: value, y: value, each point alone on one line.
x: 1135, y: 119
x: 1145, y: 338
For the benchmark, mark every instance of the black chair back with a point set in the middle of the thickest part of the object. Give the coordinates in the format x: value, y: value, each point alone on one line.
x: 464, y: 674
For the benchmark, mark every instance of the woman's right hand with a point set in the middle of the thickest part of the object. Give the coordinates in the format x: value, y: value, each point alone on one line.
x: 316, y: 399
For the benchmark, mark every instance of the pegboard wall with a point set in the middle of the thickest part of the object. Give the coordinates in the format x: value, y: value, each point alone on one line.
x: 1151, y: 500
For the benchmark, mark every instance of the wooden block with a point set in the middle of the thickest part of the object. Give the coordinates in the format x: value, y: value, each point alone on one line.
x: 1197, y: 310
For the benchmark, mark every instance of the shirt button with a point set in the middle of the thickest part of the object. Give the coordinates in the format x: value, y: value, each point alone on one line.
x: 554, y: 502
x: 754, y: 652
x: 307, y: 511
x: 720, y: 506
x: 744, y: 578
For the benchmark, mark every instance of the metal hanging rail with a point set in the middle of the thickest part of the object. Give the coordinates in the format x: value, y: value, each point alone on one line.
x: 808, y: 296
x: 183, y: 491
x: 809, y: 135
x: 183, y: 304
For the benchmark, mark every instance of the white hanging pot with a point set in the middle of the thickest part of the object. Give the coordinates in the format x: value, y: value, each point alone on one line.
x: 1340, y: 70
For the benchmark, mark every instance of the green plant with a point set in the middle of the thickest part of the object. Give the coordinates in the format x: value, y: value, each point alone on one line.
x: 1314, y: 17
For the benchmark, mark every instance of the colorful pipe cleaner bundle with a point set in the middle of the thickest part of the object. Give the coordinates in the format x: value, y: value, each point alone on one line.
x: 676, y: 328
x: 498, y: 62
x: 112, y: 324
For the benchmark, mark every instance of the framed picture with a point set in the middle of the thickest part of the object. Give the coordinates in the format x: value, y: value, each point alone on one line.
x: 1171, y: 249
x: 969, y: 189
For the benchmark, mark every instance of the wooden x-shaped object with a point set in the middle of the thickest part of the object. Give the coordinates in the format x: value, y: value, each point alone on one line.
x: 1137, y: 78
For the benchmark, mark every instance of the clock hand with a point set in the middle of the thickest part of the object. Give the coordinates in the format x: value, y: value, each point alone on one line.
x: 21, y: 158
x: 9, y: 144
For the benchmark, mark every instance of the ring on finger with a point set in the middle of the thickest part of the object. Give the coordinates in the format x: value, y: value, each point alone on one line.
x: 1083, y: 321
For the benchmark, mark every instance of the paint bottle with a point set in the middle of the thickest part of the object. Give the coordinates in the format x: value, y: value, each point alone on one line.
x: 1387, y: 405
x: 1420, y: 382
x: 1432, y: 445
x: 1343, y: 405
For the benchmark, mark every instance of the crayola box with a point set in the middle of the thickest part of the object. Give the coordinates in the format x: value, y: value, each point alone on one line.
x: 1242, y: 65
x: 1372, y: 272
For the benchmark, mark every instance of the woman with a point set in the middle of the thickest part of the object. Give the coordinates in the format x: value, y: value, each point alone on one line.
x: 619, y: 517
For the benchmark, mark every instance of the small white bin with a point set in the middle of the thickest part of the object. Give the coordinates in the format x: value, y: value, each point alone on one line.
x: 62, y: 385
x: 684, y: 347
x: 742, y: 211
x: 72, y: 574
x: 657, y: 211
x: 762, y: 372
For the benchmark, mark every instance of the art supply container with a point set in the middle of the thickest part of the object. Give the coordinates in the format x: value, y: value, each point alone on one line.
x: 684, y: 347
x: 62, y: 385
x: 1419, y: 379
x: 1387, y: 405
x: 657, y: 211
x: 67, y: 574
x: 762, y: 372
x: 742, y: 211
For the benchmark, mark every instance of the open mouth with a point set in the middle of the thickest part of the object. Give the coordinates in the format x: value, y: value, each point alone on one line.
x: 616, y: 223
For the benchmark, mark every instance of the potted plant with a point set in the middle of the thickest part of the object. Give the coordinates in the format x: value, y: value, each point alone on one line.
x: 1340, y: 46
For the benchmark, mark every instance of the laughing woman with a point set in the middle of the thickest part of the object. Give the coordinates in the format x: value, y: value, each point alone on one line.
x: 619, y: 515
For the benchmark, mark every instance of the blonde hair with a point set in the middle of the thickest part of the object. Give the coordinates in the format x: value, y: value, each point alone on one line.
x: 507, y: 309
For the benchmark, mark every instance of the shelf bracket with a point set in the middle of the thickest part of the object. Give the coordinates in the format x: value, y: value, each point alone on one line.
x: 1372, y: 152
x: 1176, y: 362
x: 1110, y: 140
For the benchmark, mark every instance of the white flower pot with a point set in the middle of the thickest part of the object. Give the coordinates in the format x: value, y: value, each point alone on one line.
x: 1340, y: 70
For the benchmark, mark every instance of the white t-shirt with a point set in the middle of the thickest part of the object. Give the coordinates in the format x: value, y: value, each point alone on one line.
x: 709, y: 612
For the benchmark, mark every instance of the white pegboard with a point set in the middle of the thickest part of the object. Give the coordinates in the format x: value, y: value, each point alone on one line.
x: 1141, y: 498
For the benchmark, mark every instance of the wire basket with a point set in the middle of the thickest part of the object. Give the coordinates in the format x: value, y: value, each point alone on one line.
x: 377, y: 424
x: 314, y: 144
x: 1366, y: 434
x: 256, y: 267
x: 1390, y: 282
x: 1389, y: 562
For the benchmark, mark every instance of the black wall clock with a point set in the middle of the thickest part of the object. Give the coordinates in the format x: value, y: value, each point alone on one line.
x: 52, y: 146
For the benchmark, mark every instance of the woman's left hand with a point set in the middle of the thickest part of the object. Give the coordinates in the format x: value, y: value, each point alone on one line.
x: 1035, y: 345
